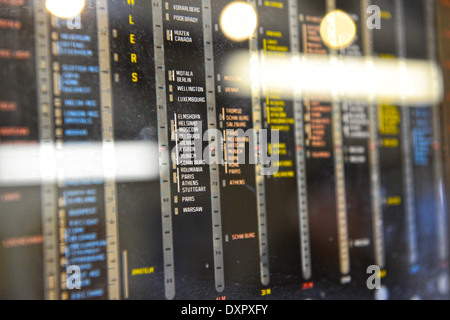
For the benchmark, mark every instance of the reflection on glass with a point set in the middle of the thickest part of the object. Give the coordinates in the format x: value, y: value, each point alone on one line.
x: 337, y: 30
x: 65, y: 8
x: 238, y: 21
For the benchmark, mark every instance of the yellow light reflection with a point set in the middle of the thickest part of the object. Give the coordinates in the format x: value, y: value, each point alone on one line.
x: 238, y: 21
x: 338, y: 30
x: 65, y: 8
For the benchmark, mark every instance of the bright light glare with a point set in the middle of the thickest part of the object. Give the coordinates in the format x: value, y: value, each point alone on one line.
x: 337, y: 30
x: 238, y: 21
x: 35, y: 164
x: 393, y: 81
x: 65, y: 8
